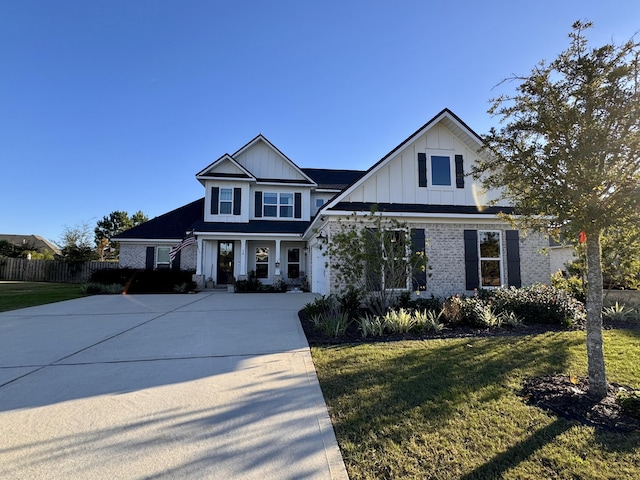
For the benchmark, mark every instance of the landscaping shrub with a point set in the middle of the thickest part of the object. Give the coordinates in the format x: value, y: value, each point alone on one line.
x: 144, y: 281
x: 630, y: 403
x: 160, y: 281
x: 619, y: 312
x: 321, y: 306
x: 371, y: 325
x: 350, y: 301
x: 334, y: 324
x: 537, y: 304
x: 93, y: 288
x: 109, y: 276
x: 572, y: 285
x: 399, y: 321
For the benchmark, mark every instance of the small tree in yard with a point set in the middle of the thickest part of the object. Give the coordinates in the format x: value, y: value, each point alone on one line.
x: 373, y: 256
x: 569, y: 152
x: 110, y: 226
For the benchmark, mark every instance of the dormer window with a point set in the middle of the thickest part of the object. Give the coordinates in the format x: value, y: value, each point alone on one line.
x: 226, y: 201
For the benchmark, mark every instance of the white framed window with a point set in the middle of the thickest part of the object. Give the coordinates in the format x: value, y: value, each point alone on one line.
x: 226, y: 201
x: 277, y: 205
x: 441, y: 170
x: 162, y: 257
x: 490, y: 247
x: 262, y: 262
x: 293, y: 263
x: 395, y: 274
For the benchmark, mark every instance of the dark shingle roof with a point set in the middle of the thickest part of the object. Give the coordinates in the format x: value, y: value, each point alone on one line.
x: 333, y: 179
x: 171, y: 225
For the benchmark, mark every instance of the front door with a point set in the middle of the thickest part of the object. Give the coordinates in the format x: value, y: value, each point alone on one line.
x: 225, y: 262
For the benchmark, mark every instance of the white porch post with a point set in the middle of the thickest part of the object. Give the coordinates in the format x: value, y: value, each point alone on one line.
x: 277, y: 270
x: 199, y: 257
x: 198, y: 277
x: 243, y: 258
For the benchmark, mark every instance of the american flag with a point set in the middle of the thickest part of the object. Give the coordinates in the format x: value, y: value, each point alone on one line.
x: 189, y: 240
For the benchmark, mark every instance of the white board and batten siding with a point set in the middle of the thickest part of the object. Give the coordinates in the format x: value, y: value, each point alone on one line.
x: 396, y: 180
x: 265, y: 162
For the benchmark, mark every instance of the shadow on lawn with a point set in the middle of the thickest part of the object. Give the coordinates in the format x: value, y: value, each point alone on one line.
x: 499, y: 464
x: 438, y: 379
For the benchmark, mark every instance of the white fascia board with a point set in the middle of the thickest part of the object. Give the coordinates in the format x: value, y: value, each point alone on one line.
x: 228, y: 158
x: 328, y: 190
x: 454, y: 217
x: 237, y: 235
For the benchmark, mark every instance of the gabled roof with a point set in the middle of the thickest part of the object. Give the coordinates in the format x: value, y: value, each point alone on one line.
x: 233, y: 170
x: 448, y: 119
x: 35, y: 241
x: 333, y: 179
x: 172, y: 225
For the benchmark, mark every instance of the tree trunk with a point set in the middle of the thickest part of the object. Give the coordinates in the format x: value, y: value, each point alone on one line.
x: 595, y: 353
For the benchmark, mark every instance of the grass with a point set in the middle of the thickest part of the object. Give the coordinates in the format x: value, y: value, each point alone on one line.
x: 15, y: 295
x: 449, y: 408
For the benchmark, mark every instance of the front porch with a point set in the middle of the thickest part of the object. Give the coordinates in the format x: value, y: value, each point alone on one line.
x: 222, y: 260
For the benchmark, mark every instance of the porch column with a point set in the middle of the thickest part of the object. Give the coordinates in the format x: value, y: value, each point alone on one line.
x: 198, y: 277
x: 277, y: 270
x: 199, y: 257
x: 243, y: 258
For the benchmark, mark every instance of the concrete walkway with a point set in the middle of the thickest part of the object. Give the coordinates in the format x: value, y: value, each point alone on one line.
x: 211, y: 385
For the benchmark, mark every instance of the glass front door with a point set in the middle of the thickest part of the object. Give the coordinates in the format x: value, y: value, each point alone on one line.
x: 225, y: 262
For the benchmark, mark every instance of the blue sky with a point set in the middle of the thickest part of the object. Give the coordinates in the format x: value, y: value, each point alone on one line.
x: 115, y: 105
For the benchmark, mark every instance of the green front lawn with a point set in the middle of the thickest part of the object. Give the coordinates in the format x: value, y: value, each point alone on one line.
x: 449, y: 409
x: 15, y: 295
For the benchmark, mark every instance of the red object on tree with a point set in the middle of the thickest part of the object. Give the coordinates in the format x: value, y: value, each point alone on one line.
x: 583, y: 237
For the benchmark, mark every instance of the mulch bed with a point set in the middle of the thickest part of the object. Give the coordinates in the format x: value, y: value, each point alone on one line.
x: 565, y: 396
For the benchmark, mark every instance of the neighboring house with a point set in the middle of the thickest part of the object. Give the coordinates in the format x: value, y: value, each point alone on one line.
x: 33, y: 242
x: 263, y: 213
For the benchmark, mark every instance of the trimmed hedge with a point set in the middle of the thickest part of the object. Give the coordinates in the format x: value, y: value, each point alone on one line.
x: 147, y: 281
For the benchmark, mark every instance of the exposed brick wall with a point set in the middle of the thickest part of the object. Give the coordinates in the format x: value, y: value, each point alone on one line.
x: 135, y: 256
x: 445, y: 252
x: 132, y: 255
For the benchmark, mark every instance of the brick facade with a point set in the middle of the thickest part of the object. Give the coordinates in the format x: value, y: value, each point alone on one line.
x: 133, y: 255
x: 446, y: 257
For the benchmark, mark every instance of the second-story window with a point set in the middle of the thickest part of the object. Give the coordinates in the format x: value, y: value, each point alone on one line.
x: 278, y: 205
x: 226, y: 201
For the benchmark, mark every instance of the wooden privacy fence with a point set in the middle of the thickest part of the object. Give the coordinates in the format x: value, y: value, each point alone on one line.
x: 22, y: 269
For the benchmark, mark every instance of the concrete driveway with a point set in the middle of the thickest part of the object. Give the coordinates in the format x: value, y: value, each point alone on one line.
x: 211, y: 385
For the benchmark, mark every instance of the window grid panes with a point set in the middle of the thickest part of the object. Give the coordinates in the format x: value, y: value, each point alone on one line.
x: 293, y: 263
x: 162, y: 259
x: 490, y: 258
x: 226, y: 201
x: 277, y: 205
x: 262, y: 262
x: 440, y: 170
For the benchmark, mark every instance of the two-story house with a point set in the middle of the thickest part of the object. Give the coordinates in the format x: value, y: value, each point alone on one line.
x: 263, y: 213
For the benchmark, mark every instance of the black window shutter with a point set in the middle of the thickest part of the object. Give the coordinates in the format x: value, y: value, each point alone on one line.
x: 472, y: 274
x: 422, y: 169
x: 297, y: 205
x: 150, y: 258
x: 258, y: 204
x: 513, y: 258
x: 459, y: 171
x: 419, y: 276
x: 215, y: 196
x: 237, y: 200
x: 175, y: 264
